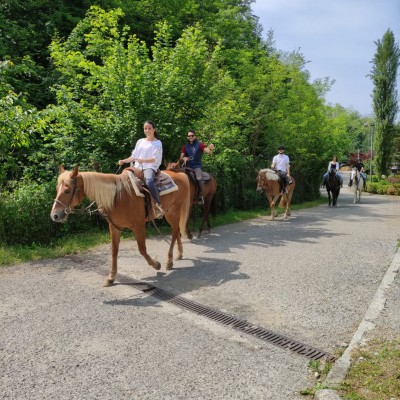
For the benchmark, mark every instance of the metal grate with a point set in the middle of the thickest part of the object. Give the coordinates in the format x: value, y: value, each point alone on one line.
x: 234, y: 322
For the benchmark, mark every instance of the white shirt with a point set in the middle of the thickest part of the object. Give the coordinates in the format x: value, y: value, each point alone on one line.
x: 334, y: 164
x: 281, y: 162
x: 148, y: 149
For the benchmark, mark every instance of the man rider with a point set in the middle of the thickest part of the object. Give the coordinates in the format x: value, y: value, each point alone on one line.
x: 359, y: 166
x: 281, y: 164
x: 191, y: 154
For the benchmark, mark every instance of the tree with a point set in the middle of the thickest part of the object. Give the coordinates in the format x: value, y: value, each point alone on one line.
x: 385, y: 99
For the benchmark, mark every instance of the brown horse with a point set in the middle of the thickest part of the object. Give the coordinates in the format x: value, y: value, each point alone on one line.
x: 268, y: 180
x: 209, y: 206
x: 118, y: 203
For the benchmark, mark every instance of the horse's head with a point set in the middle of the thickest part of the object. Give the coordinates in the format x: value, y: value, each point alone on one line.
x: 69, y: 194
x: 265, y: 177
x: 260, y: 181
x: 172, y: 166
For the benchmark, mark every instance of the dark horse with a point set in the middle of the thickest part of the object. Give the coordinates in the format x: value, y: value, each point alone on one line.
x: 333, y: 186
x: 122, y: 207
x: 210, y: 188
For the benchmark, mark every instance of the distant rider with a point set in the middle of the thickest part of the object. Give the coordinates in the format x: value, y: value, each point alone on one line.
x: 334, y: 164
x: 281, y: 164
x: 359, y: 166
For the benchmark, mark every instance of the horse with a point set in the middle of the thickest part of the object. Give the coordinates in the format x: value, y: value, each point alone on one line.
x: 358, y: 184
x: 268, y: 180
x: 333, y: 186
x: 122, y: 207
x: 209, y: 191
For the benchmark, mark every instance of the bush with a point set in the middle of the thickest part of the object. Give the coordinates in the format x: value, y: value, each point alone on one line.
x: 25, y: 216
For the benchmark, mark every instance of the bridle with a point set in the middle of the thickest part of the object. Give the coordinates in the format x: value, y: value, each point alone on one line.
x: 67, y: 207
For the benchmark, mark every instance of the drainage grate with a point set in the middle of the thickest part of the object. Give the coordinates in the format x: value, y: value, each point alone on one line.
x: 234, y: 322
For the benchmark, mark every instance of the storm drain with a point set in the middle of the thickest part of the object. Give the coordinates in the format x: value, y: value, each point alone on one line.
x: 233, y: 322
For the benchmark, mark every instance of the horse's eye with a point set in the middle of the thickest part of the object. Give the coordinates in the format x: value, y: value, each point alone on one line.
x: 67, y: 191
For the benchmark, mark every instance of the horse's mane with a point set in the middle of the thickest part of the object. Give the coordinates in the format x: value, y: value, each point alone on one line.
x: 101, y: 188
x: 269, y: 174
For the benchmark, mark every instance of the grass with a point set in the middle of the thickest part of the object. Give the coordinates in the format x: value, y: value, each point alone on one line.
x: 11, y: 255
x: 375, y: 372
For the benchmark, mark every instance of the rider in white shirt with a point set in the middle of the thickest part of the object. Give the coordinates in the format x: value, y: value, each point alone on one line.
x: 281, y: 164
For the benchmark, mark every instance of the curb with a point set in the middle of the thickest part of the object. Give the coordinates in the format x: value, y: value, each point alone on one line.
x: 341, y: 367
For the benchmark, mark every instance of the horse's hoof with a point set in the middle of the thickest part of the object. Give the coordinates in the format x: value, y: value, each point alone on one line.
x: 169, y: 265
x: 108, y: 282
x: 156, y: 265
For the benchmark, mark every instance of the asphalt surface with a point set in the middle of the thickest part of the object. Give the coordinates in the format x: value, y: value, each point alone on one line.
x: 311, y: 278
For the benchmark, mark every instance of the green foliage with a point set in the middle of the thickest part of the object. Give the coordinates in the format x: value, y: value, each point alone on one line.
x: 25, y: 215
x: 385, y: 99
x: 389, y: 186
x: 181, y: 65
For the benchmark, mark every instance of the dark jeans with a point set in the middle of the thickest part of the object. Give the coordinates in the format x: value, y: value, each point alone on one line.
x: 149, y: 175
x: 282, y: 181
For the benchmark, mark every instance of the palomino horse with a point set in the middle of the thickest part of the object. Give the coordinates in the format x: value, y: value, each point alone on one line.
x: 333, y: 186
x: 123, y: 208
x: 268, y: 180
x: 210, y: 188
x: 358, y: 184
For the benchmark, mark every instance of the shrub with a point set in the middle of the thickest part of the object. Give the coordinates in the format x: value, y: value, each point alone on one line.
x: 25, y: 216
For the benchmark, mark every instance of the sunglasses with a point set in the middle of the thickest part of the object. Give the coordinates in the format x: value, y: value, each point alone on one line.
x: 190, y: 135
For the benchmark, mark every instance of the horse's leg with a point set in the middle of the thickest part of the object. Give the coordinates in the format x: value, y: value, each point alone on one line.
x: 329, y: 198
x: 271, y: 205
x: 140, y: 235
x: 180, y: 246
x: 204, y: 217
x: 115, y: 235
x: 175, y: 237
x: 188, y: 233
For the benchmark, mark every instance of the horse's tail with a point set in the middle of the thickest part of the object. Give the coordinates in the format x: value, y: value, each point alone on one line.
x: 185, y: 207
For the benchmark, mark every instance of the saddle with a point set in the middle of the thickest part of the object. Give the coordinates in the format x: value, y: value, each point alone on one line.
x: 190, y: 173
x: 164, y: 184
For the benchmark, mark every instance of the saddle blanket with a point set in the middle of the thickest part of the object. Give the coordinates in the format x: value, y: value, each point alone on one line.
x: 164, y: 184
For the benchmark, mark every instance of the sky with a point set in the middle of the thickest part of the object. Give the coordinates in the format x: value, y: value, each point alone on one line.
x: 337, y: 39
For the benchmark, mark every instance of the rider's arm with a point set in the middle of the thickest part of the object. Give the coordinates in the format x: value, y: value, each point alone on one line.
x: 126, y: 160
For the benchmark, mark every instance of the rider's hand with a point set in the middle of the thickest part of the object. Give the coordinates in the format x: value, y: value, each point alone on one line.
x: 121, y: 162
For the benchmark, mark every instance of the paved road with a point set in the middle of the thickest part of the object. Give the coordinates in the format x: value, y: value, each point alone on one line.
x: 311, y: 278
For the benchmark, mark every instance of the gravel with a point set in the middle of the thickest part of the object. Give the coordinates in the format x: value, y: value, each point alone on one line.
x: 311, y: 278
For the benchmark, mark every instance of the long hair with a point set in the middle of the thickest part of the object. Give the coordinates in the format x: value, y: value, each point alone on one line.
x: 156, y: 134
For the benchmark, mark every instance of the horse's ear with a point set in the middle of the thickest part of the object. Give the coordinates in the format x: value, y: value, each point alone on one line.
x: 74, y: 173
x: 61, y: 169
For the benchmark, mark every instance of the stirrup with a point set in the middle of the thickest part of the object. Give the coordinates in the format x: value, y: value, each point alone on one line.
x: 158, y: 211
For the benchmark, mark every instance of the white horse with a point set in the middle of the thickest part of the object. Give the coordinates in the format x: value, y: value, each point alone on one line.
x: 358, y: 184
